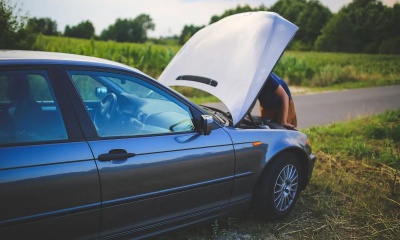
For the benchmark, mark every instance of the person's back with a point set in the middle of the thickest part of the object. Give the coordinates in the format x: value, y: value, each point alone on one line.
x: 276, y: 102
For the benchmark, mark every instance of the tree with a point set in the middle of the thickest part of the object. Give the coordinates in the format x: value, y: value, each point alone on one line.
x: 311, y: 21
x: 369, y: 18
x: 238, y: 9
x: 310, y: 16
x: 338, y: 39
x: 84, y: 30
x: 45, y: 26
x: 289, y: 9
x: 129, y: 30
x: 367, y: 26
x: 187, y: 32
x: 12, y: 29
x: 391, y: 36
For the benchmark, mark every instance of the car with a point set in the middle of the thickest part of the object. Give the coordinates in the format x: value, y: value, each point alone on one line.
x: 91, y: 148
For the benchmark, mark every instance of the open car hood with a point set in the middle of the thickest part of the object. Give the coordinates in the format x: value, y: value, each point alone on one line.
x: 232, y: 58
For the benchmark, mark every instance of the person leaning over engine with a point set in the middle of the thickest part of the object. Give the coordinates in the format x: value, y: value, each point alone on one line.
x: 276, y: 103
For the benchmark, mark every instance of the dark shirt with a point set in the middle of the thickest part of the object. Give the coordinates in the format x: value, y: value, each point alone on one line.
x: 267, y: 97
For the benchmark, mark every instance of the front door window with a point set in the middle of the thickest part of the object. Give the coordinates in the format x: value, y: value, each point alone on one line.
x: 121, y: 105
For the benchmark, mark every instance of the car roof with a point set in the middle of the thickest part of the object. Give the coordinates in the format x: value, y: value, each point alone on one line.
x: 21, y: 57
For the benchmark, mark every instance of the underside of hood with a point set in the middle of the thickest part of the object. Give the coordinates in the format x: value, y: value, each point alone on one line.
x: 232, y: 58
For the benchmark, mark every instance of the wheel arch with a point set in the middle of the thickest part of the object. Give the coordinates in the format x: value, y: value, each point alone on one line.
x: 302, y: 157
x: 259, y: 202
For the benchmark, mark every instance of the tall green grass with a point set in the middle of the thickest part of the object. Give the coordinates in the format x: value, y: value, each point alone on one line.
x: 149, y: 58
x: 375, y: 140
x: 311, y: 69
x: 345, y: 70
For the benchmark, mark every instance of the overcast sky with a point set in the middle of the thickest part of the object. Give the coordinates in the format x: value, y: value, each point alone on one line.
x: 169, y: 16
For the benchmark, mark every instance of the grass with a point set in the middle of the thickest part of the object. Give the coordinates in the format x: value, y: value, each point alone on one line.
x: 374, y: 140
x: 339, y: 70
x: 354, y: 192
x: 147, y: 57
x: 315, y: 70
x: 204, y: 99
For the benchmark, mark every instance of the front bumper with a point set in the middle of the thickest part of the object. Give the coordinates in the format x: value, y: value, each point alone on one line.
x: 311, y: 162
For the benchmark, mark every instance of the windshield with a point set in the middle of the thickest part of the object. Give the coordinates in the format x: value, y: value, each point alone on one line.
x: 136, y: 89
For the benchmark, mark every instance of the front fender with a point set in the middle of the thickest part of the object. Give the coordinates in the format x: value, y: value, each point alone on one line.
x: 252, y: 159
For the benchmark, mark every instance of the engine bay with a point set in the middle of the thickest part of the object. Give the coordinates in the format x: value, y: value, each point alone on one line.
x: 248, y: 122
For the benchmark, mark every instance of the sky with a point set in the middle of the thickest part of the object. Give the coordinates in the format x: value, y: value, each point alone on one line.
x: 169, y: 16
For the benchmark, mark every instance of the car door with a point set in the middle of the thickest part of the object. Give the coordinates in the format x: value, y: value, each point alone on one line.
x: 49, y: 186
x: 155, y: 166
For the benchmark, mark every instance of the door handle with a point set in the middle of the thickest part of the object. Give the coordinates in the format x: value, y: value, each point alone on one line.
x: 115, y: 154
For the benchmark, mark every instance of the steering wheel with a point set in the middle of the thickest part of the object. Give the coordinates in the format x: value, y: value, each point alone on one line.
x: 108, y: 107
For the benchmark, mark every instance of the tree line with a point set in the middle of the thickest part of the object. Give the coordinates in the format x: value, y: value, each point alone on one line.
x: 19, y: 31
x: 362, y: 26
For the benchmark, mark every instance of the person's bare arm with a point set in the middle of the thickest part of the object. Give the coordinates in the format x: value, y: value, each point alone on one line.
x: 280, y: 92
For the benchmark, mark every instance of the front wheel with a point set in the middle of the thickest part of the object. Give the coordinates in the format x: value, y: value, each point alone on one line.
x: 278, y: 188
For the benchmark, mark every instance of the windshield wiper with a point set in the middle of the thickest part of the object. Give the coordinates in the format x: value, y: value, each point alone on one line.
x: 216, y: 111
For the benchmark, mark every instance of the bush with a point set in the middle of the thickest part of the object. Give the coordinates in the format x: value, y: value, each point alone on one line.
x: 293, y: 70
x: 334, y: 74
x: 391, y: 46
x: 13, y: 34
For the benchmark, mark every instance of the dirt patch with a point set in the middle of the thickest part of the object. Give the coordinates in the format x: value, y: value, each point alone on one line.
x: 296, y: 90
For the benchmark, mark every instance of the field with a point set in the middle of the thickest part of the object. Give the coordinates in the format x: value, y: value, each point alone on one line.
x: 339, y: 70
x: 317, y: 71
x: 149, y: 58
x: 354, y: 192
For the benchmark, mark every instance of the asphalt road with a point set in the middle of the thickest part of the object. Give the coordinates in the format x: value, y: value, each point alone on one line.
x: 329, y: 107
x: 324, y: 108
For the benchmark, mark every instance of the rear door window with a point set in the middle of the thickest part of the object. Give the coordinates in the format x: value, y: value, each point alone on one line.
x: 28, y: 109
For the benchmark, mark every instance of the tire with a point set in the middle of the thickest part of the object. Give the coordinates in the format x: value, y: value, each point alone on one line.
x: 278, y: 188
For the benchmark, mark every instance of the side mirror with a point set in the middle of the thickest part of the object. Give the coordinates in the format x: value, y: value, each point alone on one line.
x: 206, y: 125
